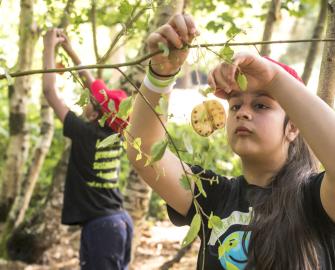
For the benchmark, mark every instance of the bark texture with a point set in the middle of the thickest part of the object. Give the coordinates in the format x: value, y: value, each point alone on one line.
x: 326, y: 87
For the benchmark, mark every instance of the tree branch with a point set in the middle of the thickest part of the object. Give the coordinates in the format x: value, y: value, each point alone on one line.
x: 145, y: 57
x: 127, y: 25
x: 94, y: 30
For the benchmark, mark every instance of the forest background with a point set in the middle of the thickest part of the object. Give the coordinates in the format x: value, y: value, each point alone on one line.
x: 34, y: 153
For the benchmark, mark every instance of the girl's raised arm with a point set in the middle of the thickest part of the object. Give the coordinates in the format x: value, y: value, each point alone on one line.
x: 313, y: 117
x: 180, y: 30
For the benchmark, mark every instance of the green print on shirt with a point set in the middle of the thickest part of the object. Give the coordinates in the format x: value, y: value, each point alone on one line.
x: 108, y: 154
x: 102, y: 185
x: 235, y: 245
x: 108, y: 175
x: 114, y: 164
x: 106, y: 165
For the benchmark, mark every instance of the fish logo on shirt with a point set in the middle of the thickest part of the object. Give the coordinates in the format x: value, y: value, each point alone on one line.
x: 234, y: 246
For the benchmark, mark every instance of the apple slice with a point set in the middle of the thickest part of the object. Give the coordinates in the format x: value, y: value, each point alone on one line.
x: 208, y: 117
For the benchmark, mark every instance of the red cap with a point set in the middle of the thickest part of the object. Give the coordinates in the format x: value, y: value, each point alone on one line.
x: 287, y: 68
x: 103, y: 95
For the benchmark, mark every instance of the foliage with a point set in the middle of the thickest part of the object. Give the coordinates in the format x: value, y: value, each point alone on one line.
x: 225, y: 20
x: 211, y: 153
x: 300, y: 8
x: 157, y: 207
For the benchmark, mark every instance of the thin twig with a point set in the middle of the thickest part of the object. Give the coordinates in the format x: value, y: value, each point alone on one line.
x: 127, y: 25
x: 145, y: 57
x: 94, y: 30
x: 161, y: 122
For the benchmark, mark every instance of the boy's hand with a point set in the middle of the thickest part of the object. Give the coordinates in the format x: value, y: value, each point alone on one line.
x: 259, y: 72
x: 179, y: 31
x: 66, y: 44
x: 52, y: 38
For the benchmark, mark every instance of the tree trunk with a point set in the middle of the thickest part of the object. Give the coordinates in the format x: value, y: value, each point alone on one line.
x: 18, y: 146
x: 46, y: 134
x: 64, y: 22
x: 22, y: 200
x: 29, y: 241
x: 271, y: 18
x: 326, y: 88
x: 29, y: 183
x: 137, y: 194
x: 315, y: 46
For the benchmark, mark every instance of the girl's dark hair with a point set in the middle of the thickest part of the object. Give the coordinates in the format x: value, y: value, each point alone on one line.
x: 280, y: 235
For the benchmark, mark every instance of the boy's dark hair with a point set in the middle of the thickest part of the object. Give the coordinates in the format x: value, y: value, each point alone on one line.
x: 280, y: 235
x: 96, y: 107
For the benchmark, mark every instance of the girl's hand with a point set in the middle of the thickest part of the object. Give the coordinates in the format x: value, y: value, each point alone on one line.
x: 52, y: 38
x: 179, y: 31
x: 259, y: 71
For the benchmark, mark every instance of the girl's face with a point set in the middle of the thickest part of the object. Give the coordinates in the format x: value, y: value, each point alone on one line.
x: 255, y: 125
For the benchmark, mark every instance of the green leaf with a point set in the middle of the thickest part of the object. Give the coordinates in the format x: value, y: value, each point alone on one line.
x: 233, y: 31
x: 163, y: 105
x: 137, y: 143
x: 110, y: 140
x: 124, y: 145
x: 242, y: 81
x: 214, y: 222
x: 165, y: 48
x: 125, y: 8
x: 111, y: 106
x: 221, y: 251
x: 103, y: 119
x: 184, y: 183
x: 226, y: 53
x: 193, y: 231
x: 206, y: 91
x: 158, y: 150
x: 125, y: 108
x: 198, y: 182
x: 139, y: 156
x: 84, y: 98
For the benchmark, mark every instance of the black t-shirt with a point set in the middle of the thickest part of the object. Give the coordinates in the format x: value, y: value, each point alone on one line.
x: 227, y: 198
x: 91, y: 187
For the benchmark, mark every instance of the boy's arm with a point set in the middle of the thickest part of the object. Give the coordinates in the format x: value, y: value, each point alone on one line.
x: 51, y: 39
x: 84, y: 73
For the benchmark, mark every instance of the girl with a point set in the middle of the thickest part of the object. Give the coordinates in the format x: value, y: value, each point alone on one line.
x: 280, y: 214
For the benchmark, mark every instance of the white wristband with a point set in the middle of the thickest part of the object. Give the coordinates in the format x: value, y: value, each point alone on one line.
x: 160, y: 90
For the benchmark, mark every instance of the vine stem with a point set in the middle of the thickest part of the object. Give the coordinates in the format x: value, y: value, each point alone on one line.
x: 161, y: 122
x: 145, y: 57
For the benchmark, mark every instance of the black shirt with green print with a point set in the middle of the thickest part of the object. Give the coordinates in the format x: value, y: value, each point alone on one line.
x: 227, y: 198
x: 91, y: 185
